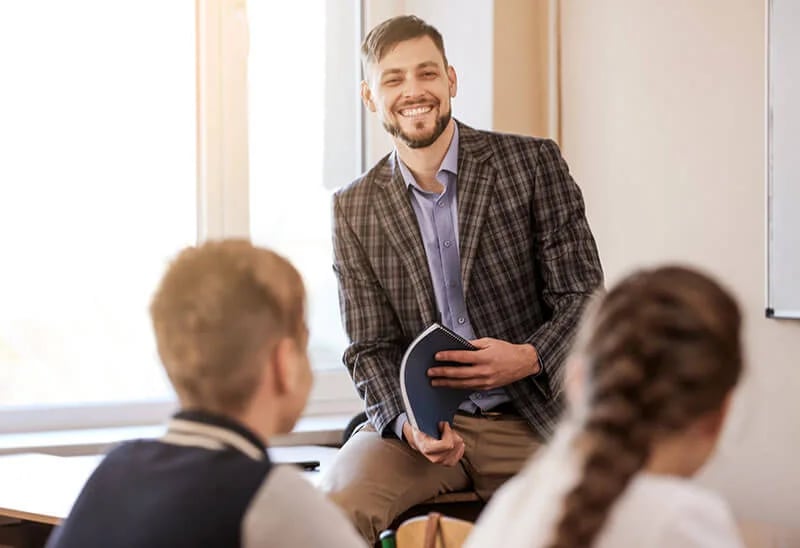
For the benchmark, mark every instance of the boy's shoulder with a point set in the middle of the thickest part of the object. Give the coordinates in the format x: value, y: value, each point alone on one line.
x: 289, y: 511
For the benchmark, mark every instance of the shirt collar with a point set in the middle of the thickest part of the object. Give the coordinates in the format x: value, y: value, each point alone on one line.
x: 449, y: 163
x: 212, y: 431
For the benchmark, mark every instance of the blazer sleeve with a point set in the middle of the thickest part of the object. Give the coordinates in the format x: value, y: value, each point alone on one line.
x: 376, y: 348
x: 567, y: 257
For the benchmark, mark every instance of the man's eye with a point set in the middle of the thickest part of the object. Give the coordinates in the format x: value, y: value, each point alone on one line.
x: 392, y: 82
x: 429, y: 74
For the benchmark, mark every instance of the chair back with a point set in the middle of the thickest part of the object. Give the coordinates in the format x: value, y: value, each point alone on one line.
x: 433, y: 531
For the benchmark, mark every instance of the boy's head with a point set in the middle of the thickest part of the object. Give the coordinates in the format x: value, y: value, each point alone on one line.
x: 230, y: 328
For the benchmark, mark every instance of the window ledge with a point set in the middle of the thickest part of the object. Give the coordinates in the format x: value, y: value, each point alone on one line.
x: 310, y: 430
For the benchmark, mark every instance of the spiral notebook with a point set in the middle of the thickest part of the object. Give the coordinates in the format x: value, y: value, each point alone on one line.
x: 426, y: 405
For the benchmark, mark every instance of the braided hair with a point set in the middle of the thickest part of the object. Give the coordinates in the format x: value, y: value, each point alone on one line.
x: 662, y: 349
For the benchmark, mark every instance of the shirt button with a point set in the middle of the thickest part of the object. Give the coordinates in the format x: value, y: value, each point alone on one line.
x: 461, y: 321
x: 448, y: 243
x: 442, y: 203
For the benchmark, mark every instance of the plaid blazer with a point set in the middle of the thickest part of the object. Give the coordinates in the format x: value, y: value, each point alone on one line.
x: 528, y: 264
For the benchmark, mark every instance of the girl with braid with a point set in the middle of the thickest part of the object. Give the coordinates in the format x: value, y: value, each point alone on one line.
x: 649, y: 387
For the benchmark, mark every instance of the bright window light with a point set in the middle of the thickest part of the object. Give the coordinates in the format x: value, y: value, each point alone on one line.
x: 291, y: 84
x: 97, y: 192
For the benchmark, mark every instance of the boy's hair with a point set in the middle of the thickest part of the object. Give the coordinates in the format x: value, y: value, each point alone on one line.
x: 662, y: 348
x: 218, y: 309
x: 382, y: 38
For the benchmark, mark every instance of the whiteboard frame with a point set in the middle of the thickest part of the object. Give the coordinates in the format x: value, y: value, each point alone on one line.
x: 772, y: 310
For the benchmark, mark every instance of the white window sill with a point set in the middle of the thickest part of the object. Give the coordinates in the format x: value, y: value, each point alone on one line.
x: 310, y: 430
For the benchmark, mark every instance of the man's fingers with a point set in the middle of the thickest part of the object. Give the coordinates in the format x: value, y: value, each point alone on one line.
x: 458, y: 356
x: 480, y: 344
x: 447, y: 451
x: 448, y: 433
x: 465, y: 356
x: 431, y: 446
x: 465, y: 372
x: 438, y: 449
x: 455, y: 456
x: 450, y: 458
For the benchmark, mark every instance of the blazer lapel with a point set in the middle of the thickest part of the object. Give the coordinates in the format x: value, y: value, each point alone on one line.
x: 476, y: 178
x: 402, y: 230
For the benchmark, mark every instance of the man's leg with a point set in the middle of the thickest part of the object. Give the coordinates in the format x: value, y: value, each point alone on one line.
x: 375, y: 479
x: 495, y: 449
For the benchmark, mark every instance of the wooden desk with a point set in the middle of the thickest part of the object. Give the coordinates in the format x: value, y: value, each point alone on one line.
x: 42, y: 488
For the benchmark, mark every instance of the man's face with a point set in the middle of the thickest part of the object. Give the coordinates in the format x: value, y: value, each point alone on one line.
x: 410, y: 89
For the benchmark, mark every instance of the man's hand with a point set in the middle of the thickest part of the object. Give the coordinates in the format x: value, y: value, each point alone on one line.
x: 447, y: 451
x: 496, y: 363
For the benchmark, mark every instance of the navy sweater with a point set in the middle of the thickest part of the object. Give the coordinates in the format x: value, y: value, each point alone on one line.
x: 190, y: 488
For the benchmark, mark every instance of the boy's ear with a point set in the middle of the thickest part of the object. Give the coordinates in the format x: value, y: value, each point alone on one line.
x: 285, y: 373
x: 366, y: 96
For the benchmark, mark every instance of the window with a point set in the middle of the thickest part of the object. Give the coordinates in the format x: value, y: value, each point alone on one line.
x: 98, y: 191
x: 99, y: 185
x: 293, y: 101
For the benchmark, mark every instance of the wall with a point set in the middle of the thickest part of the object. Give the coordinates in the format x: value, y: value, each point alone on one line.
x: 525, y: 87
x: 663, y: 126
x: 468, y: 41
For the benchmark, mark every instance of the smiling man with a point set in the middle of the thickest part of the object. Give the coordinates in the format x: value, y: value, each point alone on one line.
x: 483, y: 232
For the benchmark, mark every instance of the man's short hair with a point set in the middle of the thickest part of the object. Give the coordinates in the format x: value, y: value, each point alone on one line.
x: 382, y: 38
x: 218, y: 309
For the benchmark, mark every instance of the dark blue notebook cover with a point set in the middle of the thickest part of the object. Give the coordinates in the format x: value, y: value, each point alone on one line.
x: 427, y: 406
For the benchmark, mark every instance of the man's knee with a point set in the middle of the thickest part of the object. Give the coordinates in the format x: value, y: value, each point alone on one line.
x: 364, y: 507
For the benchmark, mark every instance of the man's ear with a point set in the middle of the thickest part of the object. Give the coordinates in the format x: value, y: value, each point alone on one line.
x: 283, y: 367
x: 453, y: 80
x: 366, y: 96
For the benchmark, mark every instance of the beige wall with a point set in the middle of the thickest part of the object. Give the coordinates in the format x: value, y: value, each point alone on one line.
x: 520, y: 67
x: 663, y: 127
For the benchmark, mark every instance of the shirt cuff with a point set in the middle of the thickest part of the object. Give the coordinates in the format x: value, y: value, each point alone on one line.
x: 539, y: 361
x: 397, y: 425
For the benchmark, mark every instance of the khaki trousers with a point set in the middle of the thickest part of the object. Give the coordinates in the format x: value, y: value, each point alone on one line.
x: 375, y: 479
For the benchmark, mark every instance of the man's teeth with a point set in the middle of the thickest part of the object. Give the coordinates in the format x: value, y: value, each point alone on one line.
x: 416, y: 111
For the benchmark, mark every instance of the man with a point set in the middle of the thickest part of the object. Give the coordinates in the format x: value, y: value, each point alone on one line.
x: 229, y: 323
x: 483, y: 232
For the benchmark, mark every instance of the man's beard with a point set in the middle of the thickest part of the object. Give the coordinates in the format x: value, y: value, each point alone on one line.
x: 438, y: 129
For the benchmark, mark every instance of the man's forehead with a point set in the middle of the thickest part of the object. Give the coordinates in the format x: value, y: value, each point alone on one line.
x: 422, y: 48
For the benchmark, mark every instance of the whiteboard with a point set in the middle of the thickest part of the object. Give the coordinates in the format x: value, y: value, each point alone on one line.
x: 783, y: 159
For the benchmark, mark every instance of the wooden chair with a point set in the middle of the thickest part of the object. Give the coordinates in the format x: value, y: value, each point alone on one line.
x: 433, y: 531
x: 464, y: 505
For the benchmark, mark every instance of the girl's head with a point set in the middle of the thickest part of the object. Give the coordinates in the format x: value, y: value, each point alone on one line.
x: 659, y: 356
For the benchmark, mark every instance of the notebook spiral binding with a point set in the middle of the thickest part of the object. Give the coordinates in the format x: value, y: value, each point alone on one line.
x: 455, y: 336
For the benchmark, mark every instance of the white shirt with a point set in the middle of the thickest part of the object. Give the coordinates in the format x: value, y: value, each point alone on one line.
x: 289, y: 511
x: 654, y: 511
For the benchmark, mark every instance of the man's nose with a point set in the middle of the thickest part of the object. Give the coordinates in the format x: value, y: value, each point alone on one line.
x: 413, y: 88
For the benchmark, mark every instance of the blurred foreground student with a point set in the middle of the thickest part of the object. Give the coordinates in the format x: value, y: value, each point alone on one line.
x: 231, y: 333
x: 657, y: 362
